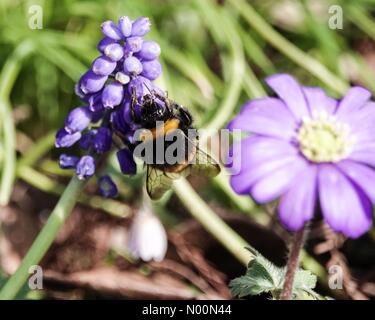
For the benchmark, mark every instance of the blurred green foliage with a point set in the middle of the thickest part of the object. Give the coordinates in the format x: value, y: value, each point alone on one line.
x: 215, y: 55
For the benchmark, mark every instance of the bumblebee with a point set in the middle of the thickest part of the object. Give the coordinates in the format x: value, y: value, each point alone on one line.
x: 168, y: 125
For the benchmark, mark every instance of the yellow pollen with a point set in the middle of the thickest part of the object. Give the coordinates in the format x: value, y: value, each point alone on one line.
x: 323, y: 139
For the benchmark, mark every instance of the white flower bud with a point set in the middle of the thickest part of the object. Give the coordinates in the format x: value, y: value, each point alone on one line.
x: 147, y: 238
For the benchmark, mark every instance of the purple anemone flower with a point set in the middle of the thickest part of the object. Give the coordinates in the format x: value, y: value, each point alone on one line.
x: 309, y: 149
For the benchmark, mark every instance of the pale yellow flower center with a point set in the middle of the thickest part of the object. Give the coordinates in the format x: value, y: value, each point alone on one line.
x: 323, y: 139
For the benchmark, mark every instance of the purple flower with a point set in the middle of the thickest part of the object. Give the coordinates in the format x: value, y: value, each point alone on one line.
x: 107, y: 187
x: 103, y: 66
x: 78, y: 119
x: 106, y: 88
x: 64, y: 139
x: 141, y: 85
x: 125, y: 26
x: 140, y: 27
x: 102, y: 140
x: 91, y: 82
x: 95, y: 102
x: 114, y: 51
x: 87, y: 140
x: 150, y: 50
x: 104, y: 43
x: 79, y: 93
x: 111, y: 31
x: 309, y: 149
x: 85, y: 167
x: 132, y: 66
x: 68, y: 162
x: 134, y: 44
x: 126, y: 161
x: 112, y: 95
x: 151, y: 69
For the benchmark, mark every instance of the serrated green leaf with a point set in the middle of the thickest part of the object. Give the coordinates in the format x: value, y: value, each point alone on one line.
x: 263, y: 276
x: 304, y: 279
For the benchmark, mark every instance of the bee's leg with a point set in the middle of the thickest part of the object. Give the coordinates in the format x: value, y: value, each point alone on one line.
x: 168, y: 106
x: 159, y: 96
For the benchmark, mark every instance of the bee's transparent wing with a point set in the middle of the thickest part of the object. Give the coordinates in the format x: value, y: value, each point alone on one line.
x: 204, y: 164
x: 158, y: 182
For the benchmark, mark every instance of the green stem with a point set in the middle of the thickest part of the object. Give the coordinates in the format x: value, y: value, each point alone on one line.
x: 287, y: 48
x: 8, y: 167
x: 44, y: 239
x: 44, y: 183
x: 38, y: 150
x: 211, y: 222
x: 8, y: 76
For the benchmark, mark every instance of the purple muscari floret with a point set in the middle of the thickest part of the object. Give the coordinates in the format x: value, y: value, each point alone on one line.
x: 104, y: 43
x: 141, y: 26
x: 85, y: 167
x: 111, y: 31
x: 95, y: 102
x: 78, y: 119
x: 98, y: 140
x: 307, y: 148
x: 67, y: 161
x: 126, y: 161
x: 91, y: 82
x: 150, y: 50
x: 141, y: 85
x: 112, y: 95
x: 103, y: 66
x: 134, y: 44
x: 151, y: 69
x: 114, y: 51
x: 65, y: 139
x: 87, y: 140
x: 102, y: 140
x: 79, y: 93
x: 107, y: 187
x: 125, y: 26
x: 96, y: 116
x: 132, y: 66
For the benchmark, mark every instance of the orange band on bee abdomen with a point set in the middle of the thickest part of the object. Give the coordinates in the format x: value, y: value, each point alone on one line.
x: 167, y: 127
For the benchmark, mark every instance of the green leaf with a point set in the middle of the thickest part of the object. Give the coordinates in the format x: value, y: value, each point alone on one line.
x: 257, y: 280
x: 304, y: 280
x: 263, y: 276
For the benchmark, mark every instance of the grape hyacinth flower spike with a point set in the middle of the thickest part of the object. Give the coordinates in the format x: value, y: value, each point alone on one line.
x: 126, y: 60
x: 308, y: 150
